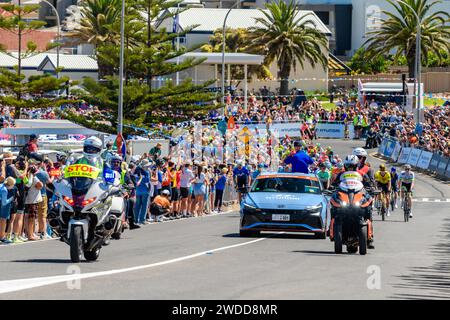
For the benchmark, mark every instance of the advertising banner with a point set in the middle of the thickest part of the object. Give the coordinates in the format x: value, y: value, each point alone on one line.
x: 404, y: 155
x: 292, y: 129
x: 424, y: 160
x: 389, y: 149
x: 442, y: 166
x: 414, y: 156
x: 330, y: 130
x: 434, y: 162
x: 382, y: 146
x: 396, y: 153
x: 447, y: 173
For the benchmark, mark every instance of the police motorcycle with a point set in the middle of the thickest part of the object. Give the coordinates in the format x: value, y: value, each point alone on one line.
x: 351, y: 206
x: 89, y: 207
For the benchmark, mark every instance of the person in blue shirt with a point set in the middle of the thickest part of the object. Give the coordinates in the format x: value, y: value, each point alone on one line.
x: 5, y: 207
x: 299, y: 160
x: 220, y: 187
x: 143, y: 189
x: 241, y: 177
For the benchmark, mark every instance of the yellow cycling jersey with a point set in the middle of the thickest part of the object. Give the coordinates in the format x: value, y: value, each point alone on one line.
x: 383, y: 179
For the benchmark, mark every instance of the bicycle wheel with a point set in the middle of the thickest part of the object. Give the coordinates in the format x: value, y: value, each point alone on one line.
x: 383, y: 213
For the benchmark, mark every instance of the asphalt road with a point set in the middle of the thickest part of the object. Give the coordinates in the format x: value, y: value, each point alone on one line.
x: 204, y: 258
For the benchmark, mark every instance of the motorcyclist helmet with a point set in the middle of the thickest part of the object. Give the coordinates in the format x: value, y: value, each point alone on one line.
x: 351, y: 162
x: 60, y: 157
x: 359, y: 152
x: 115, y: 160
x: 92, y: 147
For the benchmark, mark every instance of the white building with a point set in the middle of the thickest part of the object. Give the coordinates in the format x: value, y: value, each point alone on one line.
x: 209, y: 20
x: 76, y: 67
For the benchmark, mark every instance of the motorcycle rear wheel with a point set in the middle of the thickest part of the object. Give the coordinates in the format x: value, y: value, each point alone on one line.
x: 362, y: 240
x: 337, y: 238
x: 76, y: 244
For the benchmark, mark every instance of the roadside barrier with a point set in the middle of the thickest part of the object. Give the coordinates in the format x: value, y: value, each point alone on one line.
x: 230, y: 196
x: 429, y: 162
x: 324, y: 129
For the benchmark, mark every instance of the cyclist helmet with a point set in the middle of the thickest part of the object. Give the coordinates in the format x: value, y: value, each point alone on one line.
x: 351, y: 162
x: 407, y: 167
x: 393, y: 169
x: 92, y: 147
x: 359, y: 152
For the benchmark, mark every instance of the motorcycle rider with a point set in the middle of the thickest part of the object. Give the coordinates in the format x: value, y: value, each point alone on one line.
x: 117, y: 165
x: 364, y: 167
x: 92, y: 148
x: 350, y: 167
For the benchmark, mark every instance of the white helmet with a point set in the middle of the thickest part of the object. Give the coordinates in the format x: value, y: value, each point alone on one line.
x: 351, y: 161
x: 92, y: 147
x: 359, y: 152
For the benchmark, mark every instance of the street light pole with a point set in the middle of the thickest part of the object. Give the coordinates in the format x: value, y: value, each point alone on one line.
x: 122, y: 49
x: 58, y: 21
x: 223, y: 49
x: 418, y: 64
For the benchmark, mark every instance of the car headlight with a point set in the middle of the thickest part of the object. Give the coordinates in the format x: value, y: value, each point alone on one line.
x: 248, y: 207
x: 314, y: 210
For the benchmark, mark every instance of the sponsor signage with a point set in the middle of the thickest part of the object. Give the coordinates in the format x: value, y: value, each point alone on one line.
x: 389, y: 149
x: 396, y: 153
x: 414, y: 156
x: 434, y: 162
x: 442, y: 166
x: 424, y: 160
x: 404, y: 155
x: 81, y: 170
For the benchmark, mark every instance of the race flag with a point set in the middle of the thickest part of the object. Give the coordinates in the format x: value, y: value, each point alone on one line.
x: 120, y: 145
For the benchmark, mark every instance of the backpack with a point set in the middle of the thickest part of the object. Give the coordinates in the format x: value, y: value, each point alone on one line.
x: 24, y: 151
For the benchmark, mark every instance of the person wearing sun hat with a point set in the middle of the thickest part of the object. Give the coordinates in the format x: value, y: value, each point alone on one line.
x: 5, y: 207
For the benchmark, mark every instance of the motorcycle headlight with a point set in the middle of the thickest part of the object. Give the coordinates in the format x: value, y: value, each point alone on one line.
x: 344, y: 203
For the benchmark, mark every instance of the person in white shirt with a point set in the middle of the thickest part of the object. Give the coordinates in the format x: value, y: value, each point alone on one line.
x: 186, y: 179
x: 32, y: 200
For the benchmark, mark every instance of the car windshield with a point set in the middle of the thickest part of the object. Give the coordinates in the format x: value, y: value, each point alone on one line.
x: 287, y: 185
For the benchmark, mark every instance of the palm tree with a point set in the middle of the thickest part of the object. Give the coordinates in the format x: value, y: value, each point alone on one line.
x: 98, y: 18
x: 289, y: 39
x: 398, y: 32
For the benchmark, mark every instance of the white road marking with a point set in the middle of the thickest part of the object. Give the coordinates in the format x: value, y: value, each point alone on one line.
x: 23, y: 284
x: 430, y: 200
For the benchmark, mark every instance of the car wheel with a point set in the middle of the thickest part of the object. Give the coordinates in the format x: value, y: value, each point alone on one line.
x: 320, y: 235
x: 248, y: 233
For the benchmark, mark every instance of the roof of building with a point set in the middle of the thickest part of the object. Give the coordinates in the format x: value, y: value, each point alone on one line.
x: 211, y: 19
x: 27, y: 127
x: 40, y: 37
x: 70, y: 62
x: 216, y: 58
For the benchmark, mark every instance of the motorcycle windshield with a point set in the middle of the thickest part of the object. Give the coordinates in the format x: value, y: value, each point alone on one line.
x: 80, y: 185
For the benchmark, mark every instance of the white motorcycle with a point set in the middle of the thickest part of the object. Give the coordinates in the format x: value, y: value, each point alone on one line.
x: 89, y: 209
